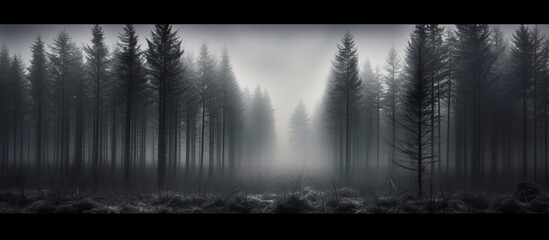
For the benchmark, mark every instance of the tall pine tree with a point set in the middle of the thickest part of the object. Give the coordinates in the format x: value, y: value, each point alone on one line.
x: 164, y: 61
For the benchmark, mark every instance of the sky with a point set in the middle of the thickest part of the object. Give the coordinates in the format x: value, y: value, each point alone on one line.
x: 291, y: 62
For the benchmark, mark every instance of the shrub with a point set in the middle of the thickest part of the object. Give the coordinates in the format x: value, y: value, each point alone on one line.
x: 509, y: 205
x: 292, y: 204
x: 527, y: 190
x: 475, y: 201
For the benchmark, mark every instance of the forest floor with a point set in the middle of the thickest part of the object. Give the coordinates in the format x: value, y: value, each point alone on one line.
x: 526, y: 198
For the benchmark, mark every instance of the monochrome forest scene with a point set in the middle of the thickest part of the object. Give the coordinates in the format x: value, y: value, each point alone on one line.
x: 267, y: 119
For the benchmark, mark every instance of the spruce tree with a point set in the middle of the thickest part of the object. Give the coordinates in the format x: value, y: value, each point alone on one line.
x: 347, y: 87
x: 97, y: 70
x: 206, y: 84
x: 131, y: 76
x: 416, y: 109
x: 64, y: 68
x: 392, y: 99
x: 522, y: 58
x: 164, y: 61
x: 38, y: 77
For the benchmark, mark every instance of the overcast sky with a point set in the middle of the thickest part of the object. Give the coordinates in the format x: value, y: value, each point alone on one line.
x: 290, y: 61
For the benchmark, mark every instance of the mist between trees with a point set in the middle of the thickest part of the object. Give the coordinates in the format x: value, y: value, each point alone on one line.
x: 462, y: 106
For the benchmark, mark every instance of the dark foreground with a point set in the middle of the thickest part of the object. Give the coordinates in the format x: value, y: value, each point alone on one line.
x: 526, y: 198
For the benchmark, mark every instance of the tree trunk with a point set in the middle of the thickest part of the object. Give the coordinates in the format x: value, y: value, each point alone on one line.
x: 113, y: 144
x: 127, y: 138
x: 524, y: 131
x: 201, y: 167
x: 162, y: 133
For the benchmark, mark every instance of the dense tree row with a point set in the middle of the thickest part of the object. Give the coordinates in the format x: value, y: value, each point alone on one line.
x: 461, y: 106
x: 99, y: 116
x: 465, y: 107
x: 259, y: 133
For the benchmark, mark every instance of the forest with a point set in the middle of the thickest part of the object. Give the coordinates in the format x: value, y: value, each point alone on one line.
x: 454, y: 123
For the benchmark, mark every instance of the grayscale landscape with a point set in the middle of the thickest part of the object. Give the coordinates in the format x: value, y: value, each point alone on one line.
x: 255, y: 119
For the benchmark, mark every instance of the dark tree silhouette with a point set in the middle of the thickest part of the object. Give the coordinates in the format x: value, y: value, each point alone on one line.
x: 416, y: 108
x: 131, y: 77
x: 392, y: 99
x: 164, y: 60
x: 474, y: 62
x: 38, y: 77
x: 65, y: 67
x: 97, y: 70
x: 522, y: 55
x: 347, y: 93
x: 207, y: 86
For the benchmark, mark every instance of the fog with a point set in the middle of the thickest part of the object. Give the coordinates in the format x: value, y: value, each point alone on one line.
x: 291, y: 62
x: 251, y: 118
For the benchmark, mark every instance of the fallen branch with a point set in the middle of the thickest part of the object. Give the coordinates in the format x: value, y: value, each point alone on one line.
x: 392, y: 184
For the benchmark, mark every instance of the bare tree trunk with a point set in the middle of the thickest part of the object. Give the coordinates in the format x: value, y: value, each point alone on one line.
x: 347, y: 128
x: 535, y: 124
x: 545, y: 147
x: 127, y: 138
x: 393, y: 116
x: 438, y: 128
x: 39, y: 139
x: 223, y: 138
x: 113, y: 144
x: 162, y: 133
x: 202, y: 139
x: 378, y: 108
x: 524, y: 132
x: 187, y: 142
x: 211, y: 147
